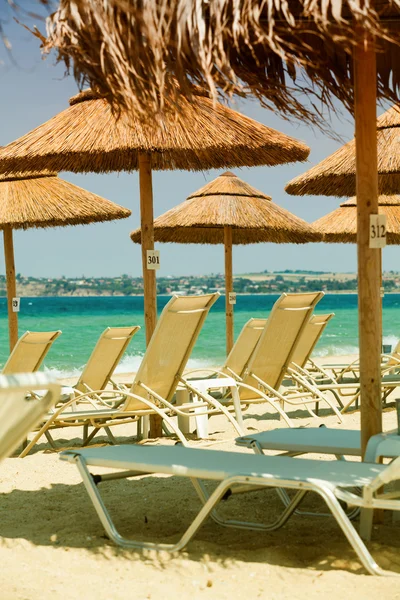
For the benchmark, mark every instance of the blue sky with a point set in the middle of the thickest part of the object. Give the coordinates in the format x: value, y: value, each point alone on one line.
x: 33, y: 90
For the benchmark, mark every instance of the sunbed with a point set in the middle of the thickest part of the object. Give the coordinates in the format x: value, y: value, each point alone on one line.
x: 332, y: 480
x: 269, y: 363
x: 104, y: 359
x: 239, y: 356
x: 156, y: 380
x: 20, y: 410
x: 29, y: 352
x: 321, y: 440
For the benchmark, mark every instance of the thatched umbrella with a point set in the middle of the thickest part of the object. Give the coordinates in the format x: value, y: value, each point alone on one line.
x: 340, y: 225
x: 42, y: 200
x: 336, y: 174
x: 88, y: 137
x: 134, y: 52
x: 229, y: 211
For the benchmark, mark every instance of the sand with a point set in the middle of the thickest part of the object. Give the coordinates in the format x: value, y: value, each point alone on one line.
x: 53, y: 545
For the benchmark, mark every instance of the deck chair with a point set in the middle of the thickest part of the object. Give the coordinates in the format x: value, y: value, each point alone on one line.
x: 301, y: 359
x: 155, y: 383
x: 334, y: 481
x: 321, y: 440
x: 239, y: 356
x: 104, y: 359
x: 268, y: 364
x: 20, y: 410
x: 29, y: 352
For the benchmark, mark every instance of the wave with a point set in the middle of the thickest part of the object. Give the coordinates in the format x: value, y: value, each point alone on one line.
x: 128, y: 364
x: 332, y: 350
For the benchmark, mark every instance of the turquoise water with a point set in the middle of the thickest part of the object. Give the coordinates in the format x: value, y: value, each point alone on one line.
x: 83, y: 319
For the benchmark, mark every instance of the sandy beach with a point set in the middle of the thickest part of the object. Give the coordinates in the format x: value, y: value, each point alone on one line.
x: 53, y: 545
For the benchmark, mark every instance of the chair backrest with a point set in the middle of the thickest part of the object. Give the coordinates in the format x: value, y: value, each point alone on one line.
x: 311, y: 334
x: 170, y: 346
x: 285, y: 325
x: 29, y: 352
x: 20, y: 411
x: 395, y: 357
x: 238, y: 358
x: 105, y: 357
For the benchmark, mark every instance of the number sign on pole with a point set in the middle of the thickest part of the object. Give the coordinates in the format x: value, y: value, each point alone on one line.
x: 153, y: 259
x: 15, y: 304
x: 377, y: 231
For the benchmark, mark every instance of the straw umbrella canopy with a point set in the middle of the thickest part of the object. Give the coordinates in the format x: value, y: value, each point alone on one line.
x: 134, y: 52
x: 336, y: 174
x: 229, y: 211
x: 340, y: 225
x: 42, y: 200
x: 89, y: 137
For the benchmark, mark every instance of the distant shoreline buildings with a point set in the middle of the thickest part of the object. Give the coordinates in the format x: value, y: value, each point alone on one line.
x: 253, y: 283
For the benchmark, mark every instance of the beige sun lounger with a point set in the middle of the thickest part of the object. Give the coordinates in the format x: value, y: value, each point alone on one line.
x: 29, y: 352
x: 240, y: 354
x: 104, y: 359
x: 155, y: 383
x: 309, y: 339
x: 333, y: 481
x: 269, y: 363
x: 20, y: 409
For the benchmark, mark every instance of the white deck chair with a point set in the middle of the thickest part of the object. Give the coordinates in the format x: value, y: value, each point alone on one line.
x: 20, y: 411
x: 271, y: 359
x: 155, y: 383
x: 29, y: 352
x: 321, y: 440
x: 332, y: 480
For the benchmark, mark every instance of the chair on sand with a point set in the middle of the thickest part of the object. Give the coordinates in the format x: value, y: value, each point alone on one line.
x: 240, y: 354
x: 20, y: 410
x: 104, y: 359
x: 321, y: 440
x: 155, y: 383
x: 268, y: 364
x: 29, y: 352
x: 332, y: 480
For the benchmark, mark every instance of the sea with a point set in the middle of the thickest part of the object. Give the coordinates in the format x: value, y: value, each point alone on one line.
x: 83, y: 319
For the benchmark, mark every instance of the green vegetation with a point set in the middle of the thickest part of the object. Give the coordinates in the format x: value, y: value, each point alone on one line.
x: 256, y: 283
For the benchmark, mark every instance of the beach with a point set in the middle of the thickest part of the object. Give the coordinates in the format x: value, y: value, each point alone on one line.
x: 51, y: 538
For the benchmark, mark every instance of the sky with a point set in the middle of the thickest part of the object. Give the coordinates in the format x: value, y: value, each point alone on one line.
x: 34, y: 89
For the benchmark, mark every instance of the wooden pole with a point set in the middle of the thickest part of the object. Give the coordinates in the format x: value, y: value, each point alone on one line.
x: 228, y: 288
x: 369, y: 301
x: 149, y: 275
x: 11, y: 285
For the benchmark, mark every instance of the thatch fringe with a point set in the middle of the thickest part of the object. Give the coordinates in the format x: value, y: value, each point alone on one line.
x: 336, y: 174
x: 340, y: 226
x: 87, y: 137
x: 135, y: 53
x: 229, y: 201
x: 45, y: 201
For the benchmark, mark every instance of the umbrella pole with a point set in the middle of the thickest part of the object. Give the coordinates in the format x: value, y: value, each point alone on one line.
x: 149, y: 275
x: 369, y: 301
x: 228, y: 287
x: 11, y: 285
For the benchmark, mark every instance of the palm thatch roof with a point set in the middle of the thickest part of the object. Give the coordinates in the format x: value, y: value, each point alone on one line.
x: 40, y: 200
x: 134, y: 52
x: 340, y: 226
x: 88, y: 137
x: 227, y: 201
x: 336, y: 174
